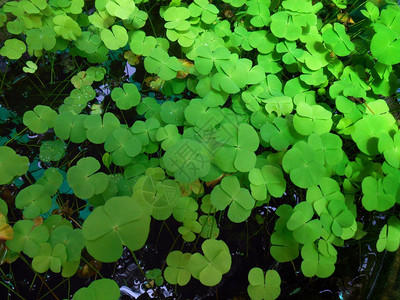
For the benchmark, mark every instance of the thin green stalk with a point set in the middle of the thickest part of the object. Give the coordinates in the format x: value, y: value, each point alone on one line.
x: 10, y: 289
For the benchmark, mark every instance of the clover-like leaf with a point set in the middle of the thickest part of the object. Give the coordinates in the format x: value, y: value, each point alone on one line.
x: 27, y: 237
x: 115, y: 38
x: 70, y: 126
x: 284, y: 247
x: 120, y: 222
x: 385, y: 46
x: 49, y: 258
x: 389, y: 237
x: 268, y: 179
x: 156, y: 197
x: 304, y: 165
x: 83, y: 179
x: 312, y: 118
x: 177, y: 271
x: 239, y: 199
x: 98, y: 129
x: 281, y: 134
x: 205, y: 10
x: 283, y: 26
x: 329, y: 146
x: 186, y: 161
x: 141, y: 44
x: 11, y: 165
x: 304, y: 229
x: 239, y: 144
x: 368, y: 130
x: 263, y: 287
x: 282, y: 105
x: 66, y: 27
x: 13, y: 49
x: 260, y: 12
x: 160, y: 63
x: 337, y: 217
x: 126, y: 97
x: 121, y: 8
x: 34, y: 200
x: 379, y: 194
x: 40, y: 119
x: 185, y: 209
x: 215, y: 262
x: 320, y: 196
x: 337, y: 39
x: 316, y: 264
x: 52, y: 150
x: 101, y: 289
x: 123, y: 146
x: 31, y: 67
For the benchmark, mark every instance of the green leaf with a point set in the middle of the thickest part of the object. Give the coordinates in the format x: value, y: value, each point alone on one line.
x: 379, y: 194
x: 186, y: 161
x: 162, y: 64
x: 98, y: 129
x: 215, y: 262
x: 11, y: 165
x: 239, y: 199
x: 305, y: 166
x: 34, y: 200
x: 66, y: 27
x: 115, y: 38
x: 40, y: 119
x: 101, y: 289
x: 177, y: 271
x: 385, y: 46
x: 120, y: 222
x: 123, y: 146
x: 268, y: 179
x: 28, y: 238
x: 13, y: 49
x: 316, y: 264
x: 389, y: 237
x: 263, y: 286
x: 52, y: 150
x: 156, y: 197
x: 337, y: 39
x: 312, y: 118
x: 83, y: 179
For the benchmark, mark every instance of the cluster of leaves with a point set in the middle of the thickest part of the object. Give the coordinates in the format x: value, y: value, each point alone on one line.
x: 269, y: 106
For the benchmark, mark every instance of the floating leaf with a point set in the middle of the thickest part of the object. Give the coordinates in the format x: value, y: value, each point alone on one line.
x: 305, y: 167
x: 102, y: 289
x: 11, y: 165
x: 34, y: 200
x: 389, y: 237
x: 13, y: 49
x: 268, y: 179
x: 83, y: 179
x: 52, y: 150
x: 123, y: 146
x: 177, y: 271
x: 120, y: 222
x: 337, y: 39
x: 239, y: 199
x: 314, y: 263
x: 40, y: 119
x: 115, y: 38
x: 98, y: 129
x: 263, y: 287
x: 27, y: 237
x: 215, y: 262
x: 126, y: 97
